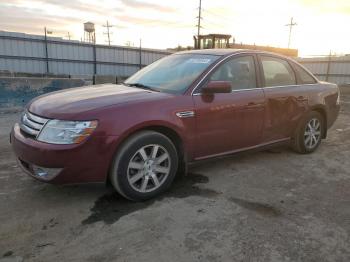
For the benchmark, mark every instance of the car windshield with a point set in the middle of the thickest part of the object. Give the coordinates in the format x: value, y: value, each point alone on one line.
x: 172, y: 74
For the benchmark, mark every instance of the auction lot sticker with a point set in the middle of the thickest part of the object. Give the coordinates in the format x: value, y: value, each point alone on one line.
x: 199, y: 60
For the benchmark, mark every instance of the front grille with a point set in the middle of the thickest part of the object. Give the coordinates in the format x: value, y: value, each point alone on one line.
x: 32, y: 124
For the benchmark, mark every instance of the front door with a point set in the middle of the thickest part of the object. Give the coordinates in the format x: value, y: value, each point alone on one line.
x: 228, y: 122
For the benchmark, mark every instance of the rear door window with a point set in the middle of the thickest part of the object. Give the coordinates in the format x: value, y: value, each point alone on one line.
x: 277, y: 72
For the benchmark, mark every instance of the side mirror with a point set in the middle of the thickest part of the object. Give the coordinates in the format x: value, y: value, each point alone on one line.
x: 214, y: 87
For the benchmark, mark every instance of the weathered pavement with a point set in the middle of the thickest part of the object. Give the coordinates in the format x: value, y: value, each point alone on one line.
x: 265, y: 206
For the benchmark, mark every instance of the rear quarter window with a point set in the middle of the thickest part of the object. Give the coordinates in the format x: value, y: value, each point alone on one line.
x: 304, y: 76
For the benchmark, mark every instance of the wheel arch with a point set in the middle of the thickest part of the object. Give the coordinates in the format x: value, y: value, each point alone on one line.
x: 162, y: 128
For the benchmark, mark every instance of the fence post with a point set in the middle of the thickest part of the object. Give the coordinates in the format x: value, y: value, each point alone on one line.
x: 140, y: 54
x: 328, y: 65
x: 94, y: 57
x: 46, y: 54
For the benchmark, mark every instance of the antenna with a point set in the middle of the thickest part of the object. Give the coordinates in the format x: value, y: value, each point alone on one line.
x: 290, y: 30
x: 108, y: 33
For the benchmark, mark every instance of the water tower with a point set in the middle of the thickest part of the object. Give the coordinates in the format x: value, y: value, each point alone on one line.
x: 89, y: 32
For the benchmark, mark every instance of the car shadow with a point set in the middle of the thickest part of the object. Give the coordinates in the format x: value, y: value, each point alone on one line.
x: 110, y: 207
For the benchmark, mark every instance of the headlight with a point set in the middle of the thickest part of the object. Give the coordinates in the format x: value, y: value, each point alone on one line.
x: 66, y: 132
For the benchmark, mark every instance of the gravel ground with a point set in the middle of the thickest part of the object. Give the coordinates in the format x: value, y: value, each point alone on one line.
x: 265, y: 206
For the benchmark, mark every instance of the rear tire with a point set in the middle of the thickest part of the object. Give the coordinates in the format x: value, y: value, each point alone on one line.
x: 145, y: 166
x: 309, y: 133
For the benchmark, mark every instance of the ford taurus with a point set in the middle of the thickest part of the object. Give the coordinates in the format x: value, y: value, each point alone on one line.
x: 183, y: 108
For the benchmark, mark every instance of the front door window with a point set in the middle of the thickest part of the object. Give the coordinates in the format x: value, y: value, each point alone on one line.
x: 239, y: 71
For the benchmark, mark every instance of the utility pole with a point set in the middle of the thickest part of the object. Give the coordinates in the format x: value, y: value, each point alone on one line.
x: 68, y: 36
x: 108, y: 33
x: 290, y: 30
x: 199, y: 23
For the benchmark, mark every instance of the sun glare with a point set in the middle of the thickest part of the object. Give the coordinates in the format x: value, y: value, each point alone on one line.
x: 321, y: 25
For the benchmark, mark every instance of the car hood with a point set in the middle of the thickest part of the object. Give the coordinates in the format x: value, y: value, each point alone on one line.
x: 72, y: 102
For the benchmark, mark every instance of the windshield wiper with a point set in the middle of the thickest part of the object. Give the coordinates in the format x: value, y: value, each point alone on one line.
x: 139, y: 85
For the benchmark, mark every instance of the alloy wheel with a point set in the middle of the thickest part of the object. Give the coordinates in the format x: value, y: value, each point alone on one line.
x: 312, y: 134
x: 148, y: 168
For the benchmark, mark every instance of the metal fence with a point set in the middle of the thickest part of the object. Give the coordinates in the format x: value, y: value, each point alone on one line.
x: 331, y: 69
x: 36, y: 55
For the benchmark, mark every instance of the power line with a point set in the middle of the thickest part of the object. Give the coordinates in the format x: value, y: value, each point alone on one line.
x: 162, y: 23
x: 210, y: 12
x: 208, y: 22
x: 291, y: 24
x: 215, y: 20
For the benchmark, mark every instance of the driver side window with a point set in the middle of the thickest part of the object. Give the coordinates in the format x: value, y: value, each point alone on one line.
x: 239, y: 71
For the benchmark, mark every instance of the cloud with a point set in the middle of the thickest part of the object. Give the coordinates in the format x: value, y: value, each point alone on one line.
x: 62, y: 6
x: 328, y: 6
x: 30, y: 21
x: 146, y: 5
x: 31, y: 16
x: 76, y: 11
x: 61, y: 16
x: 94, y: 8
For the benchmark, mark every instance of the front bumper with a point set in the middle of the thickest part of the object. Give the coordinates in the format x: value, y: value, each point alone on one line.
x: 87, y: 162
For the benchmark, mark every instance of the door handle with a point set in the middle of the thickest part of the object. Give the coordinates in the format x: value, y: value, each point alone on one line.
x: 302, y: 98
x: 254, y: 105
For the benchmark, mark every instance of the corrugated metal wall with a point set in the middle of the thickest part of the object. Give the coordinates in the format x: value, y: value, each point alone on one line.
x: 27, y: 54
x: 331, y: 69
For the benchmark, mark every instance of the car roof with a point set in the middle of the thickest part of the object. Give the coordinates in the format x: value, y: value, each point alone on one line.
x: 227, y: 51
x: 220, y: 52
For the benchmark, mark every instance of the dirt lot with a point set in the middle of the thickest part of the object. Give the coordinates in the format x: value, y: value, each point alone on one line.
x: 266, y: 206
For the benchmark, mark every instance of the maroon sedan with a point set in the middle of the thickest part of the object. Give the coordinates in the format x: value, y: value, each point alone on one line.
x: 183, y: 108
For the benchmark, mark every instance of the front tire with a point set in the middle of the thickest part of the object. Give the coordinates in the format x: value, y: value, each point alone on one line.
x: 309, y: 133
x: 145, y: 166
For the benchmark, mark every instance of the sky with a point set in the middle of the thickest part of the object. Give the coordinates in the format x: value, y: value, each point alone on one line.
x: 322, y: 25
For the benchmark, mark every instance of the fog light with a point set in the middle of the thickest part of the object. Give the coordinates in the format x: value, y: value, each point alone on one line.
x: 45, y: 173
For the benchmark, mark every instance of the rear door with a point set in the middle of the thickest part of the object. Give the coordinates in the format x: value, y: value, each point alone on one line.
x: 286, y: 101
x: 230, y: 121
